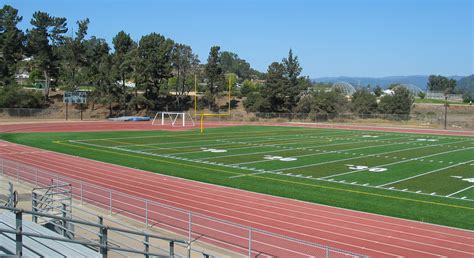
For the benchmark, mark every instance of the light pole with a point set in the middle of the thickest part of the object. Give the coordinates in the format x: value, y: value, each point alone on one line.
x: 445, y: 110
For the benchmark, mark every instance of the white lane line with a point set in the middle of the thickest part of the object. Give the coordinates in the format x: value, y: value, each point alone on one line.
x: 426, y: 173
x: 460, y: 191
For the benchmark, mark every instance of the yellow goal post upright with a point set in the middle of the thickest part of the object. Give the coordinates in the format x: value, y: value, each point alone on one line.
x: 203, y: 115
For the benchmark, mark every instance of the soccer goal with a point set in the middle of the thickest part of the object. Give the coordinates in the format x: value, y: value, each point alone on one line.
x: 173, y: 119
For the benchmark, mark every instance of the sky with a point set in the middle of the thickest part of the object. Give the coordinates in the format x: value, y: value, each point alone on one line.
x: 330, y: 37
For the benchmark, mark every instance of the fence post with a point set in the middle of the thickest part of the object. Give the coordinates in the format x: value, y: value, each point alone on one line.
x: 103, y: 242
x: 171, y: 248
x: 64, y: 214
x: 147, y: 246
x: 34, y: 200
x: 19, y: 236
x: 327, y: 251
x: 190, y: 231
x: 146, y: 212
x: 250, y: 242
x: 82, y: 191
x: 110, y: 202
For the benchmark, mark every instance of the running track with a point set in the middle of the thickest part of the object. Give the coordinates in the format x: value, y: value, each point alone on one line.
x: 374, y: 235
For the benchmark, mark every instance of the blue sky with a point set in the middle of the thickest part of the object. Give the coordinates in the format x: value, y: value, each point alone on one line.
x: 331, y: 37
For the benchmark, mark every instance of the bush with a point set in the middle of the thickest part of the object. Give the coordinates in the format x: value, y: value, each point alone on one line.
x: 399, y: 104
x: 363, y: 102
x: 16, y: 97
x: 422, y: 95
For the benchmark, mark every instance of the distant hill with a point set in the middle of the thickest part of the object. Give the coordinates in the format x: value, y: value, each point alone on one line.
x: 418, y: 80
x: 466, y: 85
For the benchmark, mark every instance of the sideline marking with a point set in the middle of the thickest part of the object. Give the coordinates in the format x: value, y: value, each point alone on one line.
x: 426, y: 173
x: 460, y: 191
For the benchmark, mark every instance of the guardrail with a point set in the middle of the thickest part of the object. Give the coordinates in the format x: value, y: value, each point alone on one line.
x: 196, y: 227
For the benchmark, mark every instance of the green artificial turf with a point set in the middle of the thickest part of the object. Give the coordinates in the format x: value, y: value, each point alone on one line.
x: 418, y: 177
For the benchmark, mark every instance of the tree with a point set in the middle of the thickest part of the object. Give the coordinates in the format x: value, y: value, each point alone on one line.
x: 43, y: 40
x: 292, y: 73
x: 214, y: 74
x: 378, y: 91
x: 11, y: 43
x: 275, y: 87
x: 441, y: 83
x: 185, y: 64
x: 332, y: 102
x: 154, y: 52
x: 364, y: 102
x: 123, y: 45
x: 398, y: 104
x: 74, y: 55
x: 283, y: 84
x: 231, y: 63
x: 421, y: 94
x: 247, y: 87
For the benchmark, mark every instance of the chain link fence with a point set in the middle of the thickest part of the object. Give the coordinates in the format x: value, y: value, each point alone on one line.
x: 458, y: 117
x: 198, y: 228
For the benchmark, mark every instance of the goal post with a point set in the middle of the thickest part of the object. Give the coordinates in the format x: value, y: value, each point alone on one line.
x: 181, y: 119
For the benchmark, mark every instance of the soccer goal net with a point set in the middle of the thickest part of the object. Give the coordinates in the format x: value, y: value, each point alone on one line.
x: 173, y: 119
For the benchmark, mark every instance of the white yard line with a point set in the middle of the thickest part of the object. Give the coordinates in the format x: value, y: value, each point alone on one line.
x: 253, y: 143
x: 398, y: 162
x: 334, y: 151
x: 460, y: 191
x: 426, y: 173
x: 196, y: 140
x: 285, y: 149
x: 366, y: 156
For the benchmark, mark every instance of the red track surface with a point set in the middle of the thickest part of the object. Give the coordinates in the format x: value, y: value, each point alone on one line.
x: 91, y: 126
x: 374, y: 235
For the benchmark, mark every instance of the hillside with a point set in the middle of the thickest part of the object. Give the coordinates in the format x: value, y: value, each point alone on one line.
x: 466, y: 85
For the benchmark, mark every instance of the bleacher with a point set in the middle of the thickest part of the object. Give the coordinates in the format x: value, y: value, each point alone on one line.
x: 38, y: 247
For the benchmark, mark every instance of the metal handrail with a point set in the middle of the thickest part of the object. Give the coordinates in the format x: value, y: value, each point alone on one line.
x: 102, y: 228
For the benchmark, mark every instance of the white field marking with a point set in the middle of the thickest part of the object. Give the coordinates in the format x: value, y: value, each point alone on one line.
x: 426, y: 173
x: 292, y: 148
x: 331, y: 152
x: 253, y: 145
x: 222, y: 142
x: 366, y: 156
x: 385, y: 188
x: 402, y: 161
x: 460, y: 191
x: 201, y: 140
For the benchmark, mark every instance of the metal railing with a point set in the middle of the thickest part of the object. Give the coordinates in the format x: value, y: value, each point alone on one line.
x: 196, y: 227
x: 103, y: 244
x: 8, y: 196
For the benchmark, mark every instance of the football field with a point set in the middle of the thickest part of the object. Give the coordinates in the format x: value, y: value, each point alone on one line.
x: 427, y: 165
